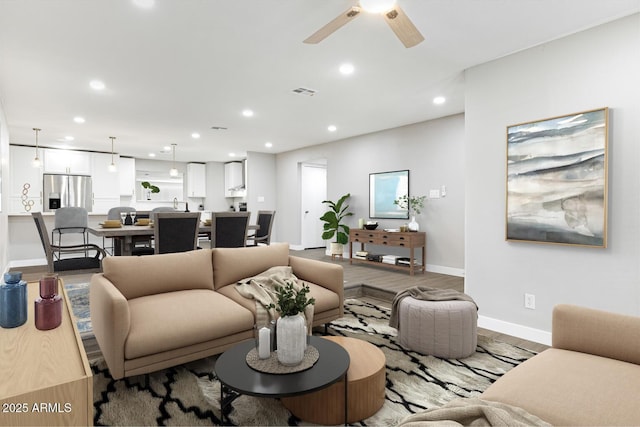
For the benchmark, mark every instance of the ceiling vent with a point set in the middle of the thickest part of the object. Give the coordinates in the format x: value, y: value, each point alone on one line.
x: 304, y: 91
x: 218, y: 128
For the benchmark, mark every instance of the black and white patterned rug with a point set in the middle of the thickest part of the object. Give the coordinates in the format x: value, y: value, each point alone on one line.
x: 189, y: 394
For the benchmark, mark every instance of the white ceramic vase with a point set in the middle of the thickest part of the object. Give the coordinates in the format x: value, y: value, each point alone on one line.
x: 413, y: 225
x: 290, y: 333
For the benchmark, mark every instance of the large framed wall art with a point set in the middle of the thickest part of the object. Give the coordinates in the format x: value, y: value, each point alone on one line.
x: 384, y: 189
x: 557, y: 180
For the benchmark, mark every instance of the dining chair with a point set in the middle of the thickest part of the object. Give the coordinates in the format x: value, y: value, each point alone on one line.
x: 263, y: 234
x: 175, y: 231
x: 54, y: 265
x: 154, y: 211
x: 70, y: 220
x: 229, y: 229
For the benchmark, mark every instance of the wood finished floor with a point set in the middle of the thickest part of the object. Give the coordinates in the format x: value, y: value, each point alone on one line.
x: 381, y: 284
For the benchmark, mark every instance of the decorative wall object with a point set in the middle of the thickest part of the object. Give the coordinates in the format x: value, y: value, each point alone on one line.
x: 557, y: 180
x: 28, y: 204
x: 384, y: 189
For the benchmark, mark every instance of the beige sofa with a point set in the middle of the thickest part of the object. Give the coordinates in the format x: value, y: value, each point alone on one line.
x: 153, y: 312
x: 590, y: 375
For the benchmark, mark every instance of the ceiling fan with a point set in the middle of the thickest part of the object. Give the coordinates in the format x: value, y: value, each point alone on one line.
x: 392, y: 13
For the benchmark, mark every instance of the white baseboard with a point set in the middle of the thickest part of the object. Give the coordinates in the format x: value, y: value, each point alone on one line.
x: 27, y: 262
x: 515, y: 330
x: 451, y: 271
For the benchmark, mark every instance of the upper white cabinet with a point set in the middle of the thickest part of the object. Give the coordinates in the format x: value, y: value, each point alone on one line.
x: 196, y: 180
x: 104, y: 183
x: 127, y: 175
x: 25, y: 181
x: 234, y: 179
x: 67, y: 161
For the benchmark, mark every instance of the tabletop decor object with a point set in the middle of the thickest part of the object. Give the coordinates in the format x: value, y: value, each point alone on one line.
x: 414, y: 205
x: 13, y: 300
x: 291, y: 330
x: 48, y: 308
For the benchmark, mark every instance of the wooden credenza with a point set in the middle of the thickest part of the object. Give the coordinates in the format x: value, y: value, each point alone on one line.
x: 410, y: 240
x: 45, y: 376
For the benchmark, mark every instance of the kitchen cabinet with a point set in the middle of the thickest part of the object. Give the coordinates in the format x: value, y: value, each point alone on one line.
x: 127, y: 176
x: 234, y: 179
x: 196, y: 180
x: 104, y: 183
x: 67, y: 161
x: 25, y: 181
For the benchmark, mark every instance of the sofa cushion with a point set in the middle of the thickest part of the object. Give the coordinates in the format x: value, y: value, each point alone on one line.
x: 566, y: 387
x: 233, y: 264
x: 137, y: 277
x: 325, y: 299
x: 178, y: 319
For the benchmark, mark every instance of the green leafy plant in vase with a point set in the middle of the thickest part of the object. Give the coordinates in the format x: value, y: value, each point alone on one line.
x: 414, y: 205
x: 291, y: 328
x: 150, y: 188
x: 333, y: 225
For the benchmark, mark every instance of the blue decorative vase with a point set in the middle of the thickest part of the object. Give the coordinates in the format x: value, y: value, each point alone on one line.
x: 13, y: 300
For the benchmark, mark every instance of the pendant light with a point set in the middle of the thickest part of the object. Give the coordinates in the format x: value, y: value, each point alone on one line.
x: 36, y: 160
x: 173, y: 171
x: 112, y: 166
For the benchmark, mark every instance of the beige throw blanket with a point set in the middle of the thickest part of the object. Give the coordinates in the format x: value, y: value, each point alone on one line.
x: 426, y: 294
x: 473, y: 412
x: 262, y: 288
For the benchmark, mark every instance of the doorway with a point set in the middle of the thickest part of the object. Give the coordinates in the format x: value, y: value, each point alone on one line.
x: 313, y: 185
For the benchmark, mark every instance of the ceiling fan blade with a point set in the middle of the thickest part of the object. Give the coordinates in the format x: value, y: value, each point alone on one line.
x: 332, y: 26
x: 403, y: 27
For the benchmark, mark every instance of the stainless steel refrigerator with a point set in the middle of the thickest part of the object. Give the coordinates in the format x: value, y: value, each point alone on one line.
x: 61, y: 191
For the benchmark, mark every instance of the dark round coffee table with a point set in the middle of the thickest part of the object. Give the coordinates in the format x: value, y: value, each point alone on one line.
x: 235, y: 374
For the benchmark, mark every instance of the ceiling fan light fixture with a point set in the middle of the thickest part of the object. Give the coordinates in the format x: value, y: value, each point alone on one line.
x: 377, y: 6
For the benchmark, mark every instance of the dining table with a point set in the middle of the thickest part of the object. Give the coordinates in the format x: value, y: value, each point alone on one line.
x: 125, y: 235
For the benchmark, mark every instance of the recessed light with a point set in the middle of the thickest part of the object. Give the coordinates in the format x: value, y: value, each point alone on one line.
x: 144, y: 4
x: 439, y: 100
x: 97, y: 85
x: 268, y: 144
x: 195, y: 135
x: 69, y: 138
x: 166, y: 148
x: 332, y: 128
x: 347, y: 69
x: 247, y: 113
x: 232, y: 154
x: 152, y: 154
x: 79, y: 119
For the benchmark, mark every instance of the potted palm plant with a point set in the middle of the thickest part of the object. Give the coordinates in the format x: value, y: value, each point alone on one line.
x: 333, y: 226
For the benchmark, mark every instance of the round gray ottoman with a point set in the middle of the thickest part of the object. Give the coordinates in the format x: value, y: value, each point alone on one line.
x: 446, y: 329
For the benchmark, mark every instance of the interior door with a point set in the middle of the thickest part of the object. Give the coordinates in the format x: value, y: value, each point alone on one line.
x: 314, y: 191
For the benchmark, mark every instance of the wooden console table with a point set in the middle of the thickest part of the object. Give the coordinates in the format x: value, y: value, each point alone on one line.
x: 410, y: 240
x: 46, y: 377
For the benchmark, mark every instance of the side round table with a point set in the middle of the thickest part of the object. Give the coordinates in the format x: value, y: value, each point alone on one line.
x: 365, y: 381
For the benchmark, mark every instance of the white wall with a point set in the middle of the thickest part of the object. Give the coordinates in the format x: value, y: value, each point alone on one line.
x: 432, y: 151
x: 261, y: 186
x: 4, y: 189
x: 593, y: 69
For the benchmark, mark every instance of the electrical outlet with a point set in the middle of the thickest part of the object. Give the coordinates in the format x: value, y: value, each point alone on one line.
x: 530, y: 301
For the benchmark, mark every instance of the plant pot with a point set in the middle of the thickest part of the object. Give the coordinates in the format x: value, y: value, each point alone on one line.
x: 292, y: 340
x: 336, y: 248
